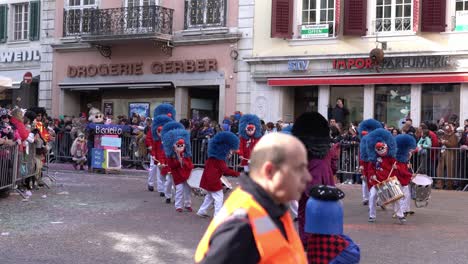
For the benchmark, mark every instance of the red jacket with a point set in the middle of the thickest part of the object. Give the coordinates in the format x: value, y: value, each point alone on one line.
x: 149, y: 139
x: 180, y: 173
x: 435, y: 144
x: 158, y: 153
x: 364, y: 165
x: 403, y: 173
x: 381, y: 170
x: 245, y: 149
x: 23, y: 132
x: 211, y: 178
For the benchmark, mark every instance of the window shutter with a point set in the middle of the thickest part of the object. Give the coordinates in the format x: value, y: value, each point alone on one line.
x: 416, y: 15
x: 3, y: 23
x: 355, y: 17
x: 282, y: 18
x: 337, y: 17
x: 433, y: 15
x: 34, y: 20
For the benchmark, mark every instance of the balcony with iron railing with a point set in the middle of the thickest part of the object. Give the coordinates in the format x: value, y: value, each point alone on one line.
x: 114, y: 24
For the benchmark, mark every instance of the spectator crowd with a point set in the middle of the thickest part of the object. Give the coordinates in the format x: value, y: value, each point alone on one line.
x: 442, y: 150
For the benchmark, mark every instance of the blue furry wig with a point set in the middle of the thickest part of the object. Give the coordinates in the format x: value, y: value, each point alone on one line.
x: 158, y: 121
x: 220, y: 145
x: 380, y: 135
x: 171, y: 126
x: 287, y: 130
x: 245, y: 121
x: 164, y: 109
x: 171, y: 137
x: 368, y: 125
x: 405, y: 144
x: 363, y: 149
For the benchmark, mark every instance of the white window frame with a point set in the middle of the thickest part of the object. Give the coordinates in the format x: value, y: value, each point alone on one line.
x: 372, y: 18
x: 222, y: 18
x: 132, y: 25
x: 81, y: 7
x: 24, y: 27
x: 298, y: 19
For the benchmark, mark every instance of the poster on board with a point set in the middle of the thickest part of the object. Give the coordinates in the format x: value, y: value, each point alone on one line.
x: 142, y: 109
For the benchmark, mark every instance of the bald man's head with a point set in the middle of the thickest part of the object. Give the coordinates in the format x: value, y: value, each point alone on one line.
x: 278, y: 163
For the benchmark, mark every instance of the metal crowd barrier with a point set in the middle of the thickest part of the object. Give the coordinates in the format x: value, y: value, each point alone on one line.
x: 28, y: 165
x: 18, y: 163
x: 8, y: 166
x: 447, y: 166
x: 129, y: 149
x: 348, y: 159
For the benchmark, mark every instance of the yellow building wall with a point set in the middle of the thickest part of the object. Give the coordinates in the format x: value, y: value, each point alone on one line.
x: 265, y: 46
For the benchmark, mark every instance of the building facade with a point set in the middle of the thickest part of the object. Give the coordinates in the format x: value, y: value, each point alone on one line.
x: 20, y: 52
x: 131, y: 55
x: 307, y: 54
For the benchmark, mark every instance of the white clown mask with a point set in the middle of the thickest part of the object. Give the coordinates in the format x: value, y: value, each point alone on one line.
x: 381, y: 148
x: 179, y: 146
x: 250, y: 130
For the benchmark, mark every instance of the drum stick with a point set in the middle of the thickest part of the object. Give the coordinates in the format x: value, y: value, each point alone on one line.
x: 391, y: 169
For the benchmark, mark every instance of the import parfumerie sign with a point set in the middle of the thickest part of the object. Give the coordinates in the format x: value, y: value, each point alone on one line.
x: 419, y: 62
x: 138, y: 68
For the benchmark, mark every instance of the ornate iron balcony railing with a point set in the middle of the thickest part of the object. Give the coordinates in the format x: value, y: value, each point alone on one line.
x: 125, y: 21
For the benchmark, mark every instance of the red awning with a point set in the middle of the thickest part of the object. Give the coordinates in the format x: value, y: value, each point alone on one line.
x: 371, y: 79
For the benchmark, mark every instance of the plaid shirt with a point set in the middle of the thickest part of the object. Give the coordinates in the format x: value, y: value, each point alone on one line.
x: 321, y: 249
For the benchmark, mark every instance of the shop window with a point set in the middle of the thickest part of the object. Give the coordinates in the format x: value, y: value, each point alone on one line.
x: 317, y: 18
x: 205, y: 13
x: 78, y: 16
x: 440, y: 101
x: 392, y: 104
x: 352, y: 97
x: 393, y: 15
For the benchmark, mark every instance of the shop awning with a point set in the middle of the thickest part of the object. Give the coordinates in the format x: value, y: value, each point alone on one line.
x: 371, y: 79
x: 5, y: 83
x: 14, y: 78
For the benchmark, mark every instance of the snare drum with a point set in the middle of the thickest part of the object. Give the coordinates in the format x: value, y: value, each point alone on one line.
x: 389, y: 191
x: 421, y: 186
x: 194, y: 181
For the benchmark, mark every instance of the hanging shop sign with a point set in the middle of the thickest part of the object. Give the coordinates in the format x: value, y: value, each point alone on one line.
x: 461, y: 19
x: 314, y: 31
x: 420, y: 62
x: 116, y: 69
x: 11, y: 56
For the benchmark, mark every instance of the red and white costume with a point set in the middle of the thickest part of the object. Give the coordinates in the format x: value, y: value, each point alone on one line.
x: 211, y: 182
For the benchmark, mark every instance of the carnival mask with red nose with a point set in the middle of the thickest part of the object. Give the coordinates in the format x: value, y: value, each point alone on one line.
x: 179, y: 146
x: 250, y: 129
x: 381, y: 149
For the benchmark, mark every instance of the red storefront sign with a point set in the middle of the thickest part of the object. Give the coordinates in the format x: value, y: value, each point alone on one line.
x: 354, y: 63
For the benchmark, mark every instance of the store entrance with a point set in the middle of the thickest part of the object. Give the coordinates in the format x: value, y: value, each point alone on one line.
x: 204, y: 102
x: 305, y: 100
x: 90, y: 98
